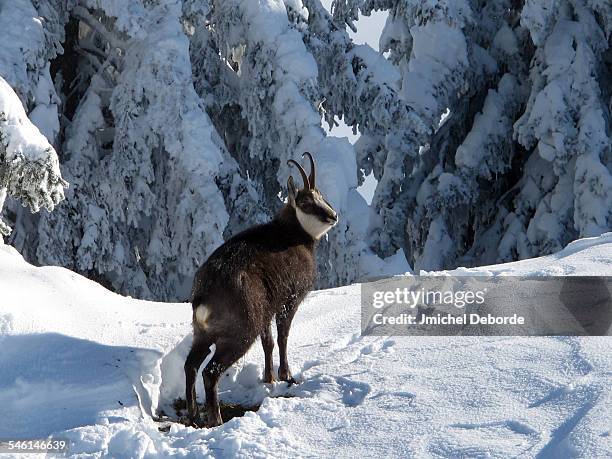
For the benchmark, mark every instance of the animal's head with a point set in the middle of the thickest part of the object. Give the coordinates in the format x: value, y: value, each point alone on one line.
x: 315, y: 214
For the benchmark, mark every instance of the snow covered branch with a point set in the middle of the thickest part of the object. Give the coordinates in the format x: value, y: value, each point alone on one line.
x: 84, y: 15
x: 29, y: 168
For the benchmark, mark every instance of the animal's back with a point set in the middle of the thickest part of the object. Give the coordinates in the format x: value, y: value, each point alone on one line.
x: 260, y: 269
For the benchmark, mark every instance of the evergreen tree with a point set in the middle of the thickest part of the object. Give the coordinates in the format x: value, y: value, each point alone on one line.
x: 567, y: 124
x: 487, y: 126
x: 143, y: 155
x: 478, y: 188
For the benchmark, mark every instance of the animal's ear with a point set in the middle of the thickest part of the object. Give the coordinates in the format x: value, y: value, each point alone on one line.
x: 292, y: 191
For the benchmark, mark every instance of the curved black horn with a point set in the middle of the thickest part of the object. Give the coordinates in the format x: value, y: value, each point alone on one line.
x: 311, y: 179
x: 302, y: 173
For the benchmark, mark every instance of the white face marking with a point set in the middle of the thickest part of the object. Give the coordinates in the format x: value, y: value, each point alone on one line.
x: 312, y: 225
x: 201, y: 315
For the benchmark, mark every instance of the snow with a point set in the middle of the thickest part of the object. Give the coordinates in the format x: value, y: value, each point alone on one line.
x: 438, y: 50
x: 489, y: 130
x: 83, y: 363
x: 19, y: 136
x: 382, y: 70
x: 505, y: 39
x: 128, y: 15
x: 23, y: 51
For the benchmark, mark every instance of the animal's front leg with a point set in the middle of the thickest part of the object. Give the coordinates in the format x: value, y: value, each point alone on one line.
x: 267, y: 343
x: 283, y: 324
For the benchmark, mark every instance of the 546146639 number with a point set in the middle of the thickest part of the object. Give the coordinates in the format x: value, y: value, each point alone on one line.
x: 43, y: 445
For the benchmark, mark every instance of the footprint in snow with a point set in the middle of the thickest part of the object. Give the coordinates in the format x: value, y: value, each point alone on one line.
x: 353, y: 392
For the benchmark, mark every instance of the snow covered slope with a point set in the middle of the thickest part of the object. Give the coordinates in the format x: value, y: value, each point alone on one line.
x: 80, y: 362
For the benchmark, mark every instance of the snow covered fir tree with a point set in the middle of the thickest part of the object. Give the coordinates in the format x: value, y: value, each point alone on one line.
x: 486, y: 124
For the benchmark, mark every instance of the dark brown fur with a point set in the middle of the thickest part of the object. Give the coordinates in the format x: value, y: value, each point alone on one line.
x: 261, y: 273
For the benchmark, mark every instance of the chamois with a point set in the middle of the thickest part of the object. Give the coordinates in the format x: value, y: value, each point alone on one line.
x: 258, y: 274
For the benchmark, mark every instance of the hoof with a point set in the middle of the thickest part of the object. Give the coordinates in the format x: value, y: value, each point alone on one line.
x: 290, y: 380
x: 270, y: 379
x: 193, y: 422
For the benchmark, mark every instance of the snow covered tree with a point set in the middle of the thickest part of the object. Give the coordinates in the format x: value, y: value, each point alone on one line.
x: 437, y: 67
x: 485, y: 123
x: 269, y: 115
x: 359, y: 85
x: 174, y: 121
x: 143, y: 155
x: 567, y: 124
x: 467, y: 192
x: 29, y: 168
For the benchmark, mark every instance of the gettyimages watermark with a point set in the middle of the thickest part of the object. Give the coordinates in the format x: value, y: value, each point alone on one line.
x: 487, y: 306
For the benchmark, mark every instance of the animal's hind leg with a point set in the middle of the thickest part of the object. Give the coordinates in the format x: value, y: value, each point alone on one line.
x: 197, y: 354
x: 283, y: 324
x: 227, y: 352
x: 267, y: 343
x: 211, y: 375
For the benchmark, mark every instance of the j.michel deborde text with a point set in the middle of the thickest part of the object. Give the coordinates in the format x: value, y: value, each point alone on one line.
x: 447, y: 319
